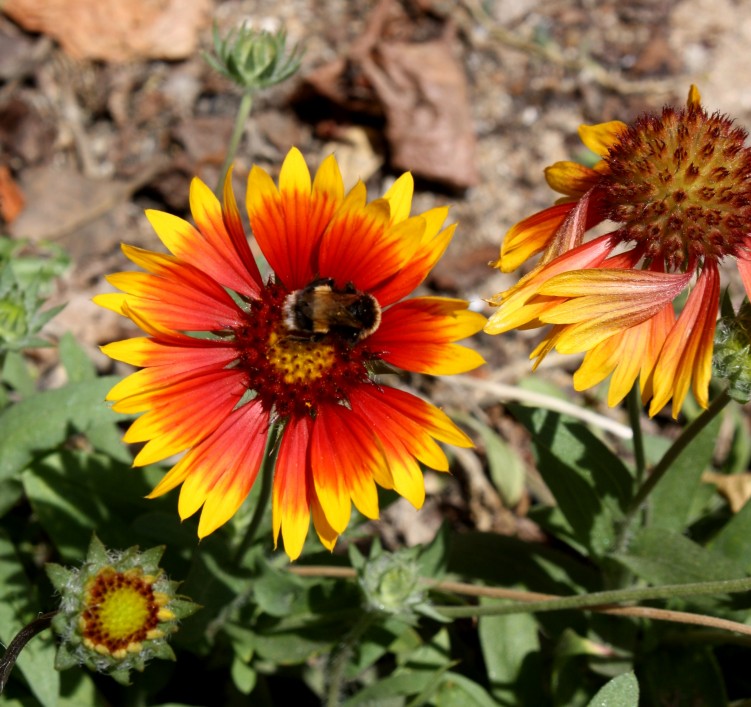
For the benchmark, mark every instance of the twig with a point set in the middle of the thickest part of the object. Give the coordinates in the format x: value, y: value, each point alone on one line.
x: 600, y: 602
x: 510, y: 392
x: 41, y: 623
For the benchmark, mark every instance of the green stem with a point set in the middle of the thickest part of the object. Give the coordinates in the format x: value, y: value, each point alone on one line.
x: 693, y: 429
x: 266, y: 472
x: 341, y: 656
x: 634, y: 418
x: 241, y: 118
x: 598, y: 599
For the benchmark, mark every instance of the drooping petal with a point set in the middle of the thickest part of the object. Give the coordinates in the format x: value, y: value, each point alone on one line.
x: 686, y: 357
x: 530, y: 236
x: 600, y: 302
x: 600, y: 138
x: 571, y: 178
x: 522, y: 304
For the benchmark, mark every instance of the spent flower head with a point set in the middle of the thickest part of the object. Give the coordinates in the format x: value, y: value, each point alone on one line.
x: 677, y: 186
x: 116, y: 611
x: 254, y: 58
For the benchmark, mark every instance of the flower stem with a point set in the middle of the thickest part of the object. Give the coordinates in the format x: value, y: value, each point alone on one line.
x: 634, y: 418
x: 41, y: 623
x: 601, y: 602
x: 340, y: 659
x: 266, y: 472
x: 241, y: 118
x: 602, y: 599
x: 693, y: 429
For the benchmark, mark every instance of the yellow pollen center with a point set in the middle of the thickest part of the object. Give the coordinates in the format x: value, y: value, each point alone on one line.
x: 299, y: 360
x: 121, y: 610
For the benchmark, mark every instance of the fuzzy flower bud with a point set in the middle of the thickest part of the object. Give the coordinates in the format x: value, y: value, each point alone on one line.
x: 732, y: 354
x: 254, y: 59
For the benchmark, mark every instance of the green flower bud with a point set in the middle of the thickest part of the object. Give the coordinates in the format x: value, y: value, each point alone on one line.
x: 254, y: 59
x: 732, y: 353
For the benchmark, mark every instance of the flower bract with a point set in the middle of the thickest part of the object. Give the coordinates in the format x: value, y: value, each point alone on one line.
x: 227, y: 352
x: 675, y: 190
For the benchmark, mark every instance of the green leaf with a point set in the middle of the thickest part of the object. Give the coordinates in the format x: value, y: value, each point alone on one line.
x: 661, y: 557
x: 74, y: 494
x: 622, y: 691
x: 46, y: 420
x: 505, y: 466
x: 11, y: 493
x: 733, y: 541
x: 589, y: 482
x: 681, y: 676
x: 401, y: 684
x: 674, y: 496
x: 78, y: 689
x: 17, y: 609
x: 276, y: 591
x: 536, y: 567
x: 17, y: 374
x: 455, y: 690
x: 243, y: 676
x: 511, y: 650
x: 76, y: 361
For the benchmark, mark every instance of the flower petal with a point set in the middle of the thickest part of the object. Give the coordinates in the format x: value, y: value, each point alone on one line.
x: 571, y: 178
x: 293, y: 487
x: 687, y: 353
x: 530, y: 236
x: 415, y: 334
x: 600, y: 138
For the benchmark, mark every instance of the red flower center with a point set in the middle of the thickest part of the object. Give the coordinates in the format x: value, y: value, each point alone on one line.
x: 293, y: 372
x: 680, y: 185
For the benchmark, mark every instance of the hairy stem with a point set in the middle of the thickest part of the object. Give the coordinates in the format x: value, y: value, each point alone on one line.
x: 601, y: 602
x: 241, y: 118
x: 340, y: 659
x: 693, y: 429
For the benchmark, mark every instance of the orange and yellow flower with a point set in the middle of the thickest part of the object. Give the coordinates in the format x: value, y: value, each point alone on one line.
x: 227, y: 354
x: 677, y: 187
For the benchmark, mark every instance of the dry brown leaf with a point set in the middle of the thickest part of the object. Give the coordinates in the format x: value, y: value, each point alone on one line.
x: 736, y: 488
x: 421, y: 89
x: 113, y: 30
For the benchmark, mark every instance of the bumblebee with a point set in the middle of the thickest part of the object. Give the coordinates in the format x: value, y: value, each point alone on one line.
x: 321, y: 308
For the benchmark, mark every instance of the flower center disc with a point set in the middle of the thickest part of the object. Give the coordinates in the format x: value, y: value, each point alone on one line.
x: 680, y: 185
x: 121, y: 610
